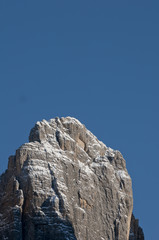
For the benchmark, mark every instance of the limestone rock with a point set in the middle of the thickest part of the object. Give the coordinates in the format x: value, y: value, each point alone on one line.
x: 65, y: 184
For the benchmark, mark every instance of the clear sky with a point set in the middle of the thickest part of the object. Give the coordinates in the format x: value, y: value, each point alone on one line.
x: 97, y: 61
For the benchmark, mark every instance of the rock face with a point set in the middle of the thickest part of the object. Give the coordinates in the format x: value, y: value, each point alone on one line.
x: 64, y: 185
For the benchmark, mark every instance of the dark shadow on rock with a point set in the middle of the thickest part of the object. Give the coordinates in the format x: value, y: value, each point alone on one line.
x: 47, y: 224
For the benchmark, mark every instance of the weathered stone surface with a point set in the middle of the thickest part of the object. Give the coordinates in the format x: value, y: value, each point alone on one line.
x: 65, y: 184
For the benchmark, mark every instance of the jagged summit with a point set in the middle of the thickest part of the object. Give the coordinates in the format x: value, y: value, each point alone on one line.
x: 65, y: 184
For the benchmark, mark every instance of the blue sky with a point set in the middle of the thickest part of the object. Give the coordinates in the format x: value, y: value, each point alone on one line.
x: 94, y: 60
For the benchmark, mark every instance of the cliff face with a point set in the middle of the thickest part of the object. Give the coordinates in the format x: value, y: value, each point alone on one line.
x: 64, y: 185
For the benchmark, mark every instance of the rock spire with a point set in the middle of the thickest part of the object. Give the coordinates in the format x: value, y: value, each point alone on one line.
x: 65, y: 184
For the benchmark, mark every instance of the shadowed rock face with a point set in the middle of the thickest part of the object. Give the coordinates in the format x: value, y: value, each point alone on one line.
x: 64, y: 185
x: 135, y: 230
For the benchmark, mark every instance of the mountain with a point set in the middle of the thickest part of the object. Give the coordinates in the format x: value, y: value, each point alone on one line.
x: 65, y: 184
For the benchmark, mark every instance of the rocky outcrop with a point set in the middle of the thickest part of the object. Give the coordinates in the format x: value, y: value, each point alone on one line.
x: 136, y: 232
x: 64, y: 185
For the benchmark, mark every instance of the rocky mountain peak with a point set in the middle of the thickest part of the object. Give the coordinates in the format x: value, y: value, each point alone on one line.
x: 66, y: 184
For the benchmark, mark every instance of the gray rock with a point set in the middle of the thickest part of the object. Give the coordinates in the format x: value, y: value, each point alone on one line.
x: 65, y: 184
